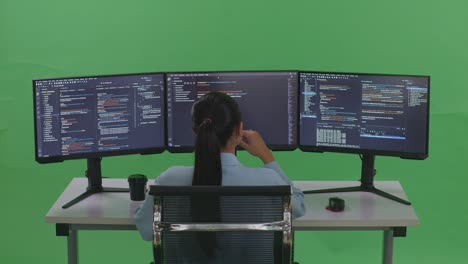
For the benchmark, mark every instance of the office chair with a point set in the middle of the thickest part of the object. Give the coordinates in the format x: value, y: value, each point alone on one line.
x: 222, y: 224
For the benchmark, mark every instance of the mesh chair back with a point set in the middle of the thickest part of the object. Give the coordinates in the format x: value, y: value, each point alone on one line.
x: 222, y: 224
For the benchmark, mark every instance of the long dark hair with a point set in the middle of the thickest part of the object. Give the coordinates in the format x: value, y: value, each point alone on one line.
x: 215, y: 117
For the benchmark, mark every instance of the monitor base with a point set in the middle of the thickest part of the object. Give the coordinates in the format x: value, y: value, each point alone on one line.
x: 360, y: 189
x: 88, y: 193
x: 93, y: 173
x: 367, y: 182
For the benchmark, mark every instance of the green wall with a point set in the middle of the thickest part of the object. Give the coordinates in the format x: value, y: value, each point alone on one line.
x: 53, y: 38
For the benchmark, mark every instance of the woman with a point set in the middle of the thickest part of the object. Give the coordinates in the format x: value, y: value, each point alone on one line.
x: 216, y: 121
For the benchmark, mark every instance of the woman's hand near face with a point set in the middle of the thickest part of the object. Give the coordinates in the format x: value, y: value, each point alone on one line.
x: 254, y: 144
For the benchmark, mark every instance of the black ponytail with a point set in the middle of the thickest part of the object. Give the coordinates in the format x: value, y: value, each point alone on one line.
x: 207, y: 169
x: 215, y: 116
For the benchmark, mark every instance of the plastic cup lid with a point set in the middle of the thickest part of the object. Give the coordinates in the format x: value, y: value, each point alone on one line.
x: 137, y: 178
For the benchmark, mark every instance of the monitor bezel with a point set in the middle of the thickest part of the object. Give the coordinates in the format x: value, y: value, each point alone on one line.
x: 273, y: 147
x: 404, y: 155
x: 142, y: 151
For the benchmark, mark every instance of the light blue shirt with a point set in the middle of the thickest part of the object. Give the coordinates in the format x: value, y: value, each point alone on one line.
x: 234, y: 174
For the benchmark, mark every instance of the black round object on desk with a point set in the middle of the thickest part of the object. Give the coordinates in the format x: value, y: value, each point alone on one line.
x: 336, y: 204
x: 137, y: 183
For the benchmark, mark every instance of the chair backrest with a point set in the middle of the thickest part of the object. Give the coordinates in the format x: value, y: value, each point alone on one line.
x: 222, y: 224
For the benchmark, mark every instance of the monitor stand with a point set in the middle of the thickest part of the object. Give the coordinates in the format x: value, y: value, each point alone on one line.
x: 367, y: 182
x: 93, y: 173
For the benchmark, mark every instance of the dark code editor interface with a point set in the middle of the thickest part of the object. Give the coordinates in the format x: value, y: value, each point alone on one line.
x: 99, y: 114
x: 374, y: 112
x: 267, y: 100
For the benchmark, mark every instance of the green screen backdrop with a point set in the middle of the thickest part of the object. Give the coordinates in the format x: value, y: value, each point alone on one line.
x: 56, y: 38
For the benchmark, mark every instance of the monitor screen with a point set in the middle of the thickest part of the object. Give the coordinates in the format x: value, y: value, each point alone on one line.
x: 267, y: 100
x: 86, y: 117
x: 364, y: 113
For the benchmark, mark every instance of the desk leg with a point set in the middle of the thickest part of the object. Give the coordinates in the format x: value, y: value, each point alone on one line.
x: 72, y: 243
x: 388, y: 247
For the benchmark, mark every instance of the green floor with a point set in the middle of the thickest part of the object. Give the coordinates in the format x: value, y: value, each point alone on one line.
x: 52, y: 38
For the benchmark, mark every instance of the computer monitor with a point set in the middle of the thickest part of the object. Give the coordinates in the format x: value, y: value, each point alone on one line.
x: 364, y: 113
x: 96, y: 116
x: 368, y: 114
x: 267, y: 100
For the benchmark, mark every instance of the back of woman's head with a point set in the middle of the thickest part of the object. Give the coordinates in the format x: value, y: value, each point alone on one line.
x: 215, y: 118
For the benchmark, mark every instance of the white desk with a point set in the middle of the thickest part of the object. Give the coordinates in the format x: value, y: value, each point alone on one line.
x: 364, y: 211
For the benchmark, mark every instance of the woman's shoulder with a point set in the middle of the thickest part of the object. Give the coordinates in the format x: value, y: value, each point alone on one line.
x: 178, y: 170
x: 176, y: 175
x: 252, y: 176
x: 260, y: 170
